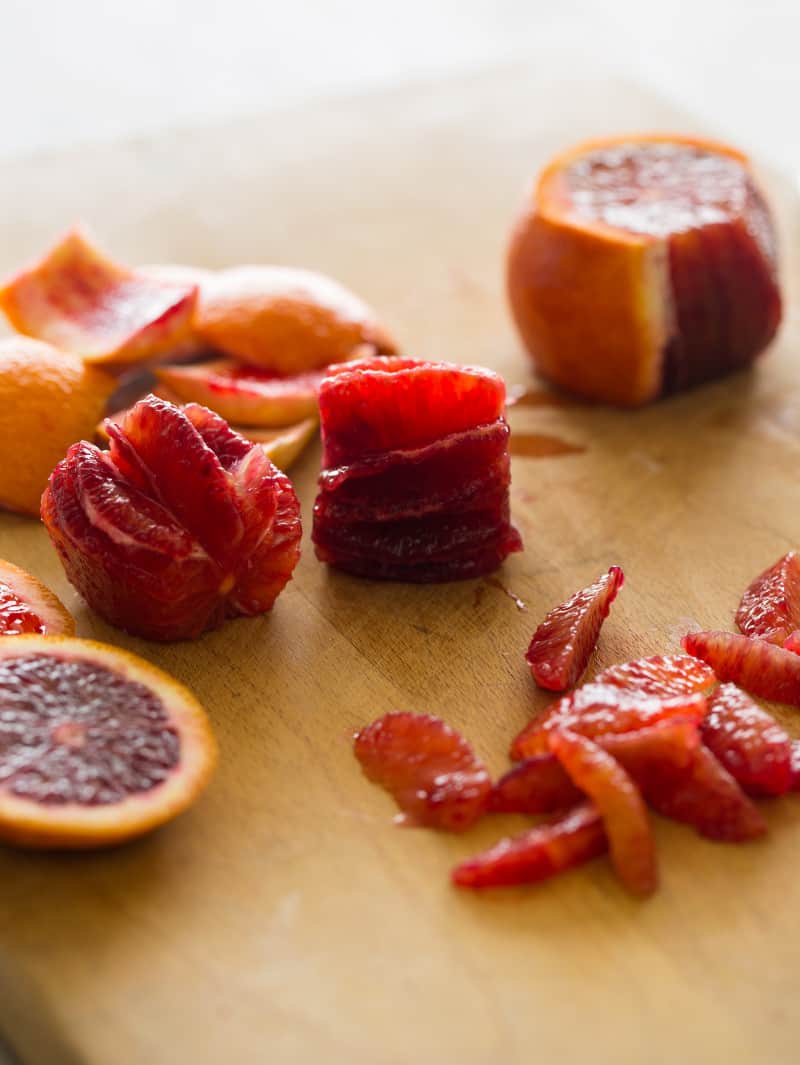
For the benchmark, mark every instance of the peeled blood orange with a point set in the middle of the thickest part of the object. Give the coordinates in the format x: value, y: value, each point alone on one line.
x: 97, y: 746
x: 642, y: 265
x: 28, y: 606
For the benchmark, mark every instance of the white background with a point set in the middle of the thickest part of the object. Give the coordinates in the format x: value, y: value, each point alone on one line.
x: 76, y: 71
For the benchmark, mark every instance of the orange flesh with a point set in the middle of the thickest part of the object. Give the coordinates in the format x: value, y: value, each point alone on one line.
x: 656, y: 189
x: 16, y: 617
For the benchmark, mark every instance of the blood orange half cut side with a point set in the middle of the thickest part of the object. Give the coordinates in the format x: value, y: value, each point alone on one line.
x: 97, y: 745
x: 28, y: 606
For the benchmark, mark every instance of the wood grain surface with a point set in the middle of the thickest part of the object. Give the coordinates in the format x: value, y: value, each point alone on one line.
x: 284, y: 919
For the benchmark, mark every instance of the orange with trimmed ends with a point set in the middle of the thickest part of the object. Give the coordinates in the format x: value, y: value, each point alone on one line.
x: 28, y: 606
x: 285, y: 319
x: 642, y: 265
x: 48, y: 400
x: 81, y: 301
x: 106, y: 747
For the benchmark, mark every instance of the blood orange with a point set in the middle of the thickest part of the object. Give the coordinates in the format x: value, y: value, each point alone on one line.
x: 97, y: 747
x: 28, y: 606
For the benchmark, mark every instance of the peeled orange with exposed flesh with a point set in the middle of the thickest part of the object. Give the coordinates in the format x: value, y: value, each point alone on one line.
x: 49, y: 399
x: 28, y: 606
x: 643, y: 265
x: 97, y: 747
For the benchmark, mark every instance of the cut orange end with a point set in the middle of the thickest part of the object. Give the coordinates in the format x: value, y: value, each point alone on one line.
x: 284, y: 319
x: 80, y: 301
x: 642, y: 265
x: 106, y: 747
x: 48, y: 400
x: 28, y: 606
x: 245, y: 395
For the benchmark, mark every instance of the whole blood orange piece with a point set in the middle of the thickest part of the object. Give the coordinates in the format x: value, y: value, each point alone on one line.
x: 80, y: 301
x: 245, y: 395
x: 284, y: 319
x: 642, y: 265
x: 97, y: 746
x: 562, y: 645
x: 760, y: 667
x: 48, y: 400
x: 770, y: 608
x: 661, y: 675
x: 748, y: 742
x: 627, y: 826
x: 599, y: 709
x: 166, y: 541
x: 537, y: 854
x: 432, y: 772
x: 28, y: 606
x: 379, y: 405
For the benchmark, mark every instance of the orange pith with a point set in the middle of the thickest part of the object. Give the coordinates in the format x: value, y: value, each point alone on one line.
x: 32, y: 816
x: 48, y: 400
x: 625, y: 267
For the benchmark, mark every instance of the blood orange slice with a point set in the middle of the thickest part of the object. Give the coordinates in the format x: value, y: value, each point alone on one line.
x: 97, y: 746
x: 642, y: 265
x: 28, y: 606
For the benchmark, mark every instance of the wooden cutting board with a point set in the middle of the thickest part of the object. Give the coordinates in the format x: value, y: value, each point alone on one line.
x: 284, y: 919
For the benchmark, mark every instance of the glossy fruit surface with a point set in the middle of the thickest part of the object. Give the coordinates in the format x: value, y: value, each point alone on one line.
x: 562, y: 645
x: 748, y: 742
x: 616, y: 796
x: 760, y: 667
x: 48, y: 400
x: 539, y: 853
x: 770, y: 607
x: 98, y: 746
x: 432, y: 772
x: 166, y: 542
x: 28, y: 606
x: 661, y: 675
x: 599, y: 709
x: 642, y: 265
x: 80, y: 301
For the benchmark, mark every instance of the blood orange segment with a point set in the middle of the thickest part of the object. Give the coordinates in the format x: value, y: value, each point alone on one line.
x: 760, y: 667
x: 602, y: 778
x: 538, y: 854
x: 770, y: 607
x: 245, y: 395
x: 379, y: 405
x: 792, y: 642
x: 431, y: 771
x: 28, y: 606
x: 600, y: 709
x: 82, y: 302
x: 98, y: 746
x: 661, y: 675
x: 748, y: 742
x: 538, y: 785
x: 541, y: 785
x: 562, y: 645
x: 795, y: 765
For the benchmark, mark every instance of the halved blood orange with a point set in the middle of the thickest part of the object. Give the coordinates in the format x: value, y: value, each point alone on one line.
x: 28, y: 606
x: 97, y: 746
x: 644, y: 264
x: 245, y: 395
x: 80, y: 301
x: 285, y: 319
